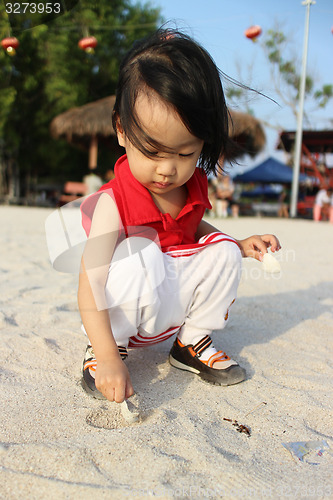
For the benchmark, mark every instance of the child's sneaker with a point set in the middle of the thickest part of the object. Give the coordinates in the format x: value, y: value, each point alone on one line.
x: 89, y: 368
x: 201, y: 358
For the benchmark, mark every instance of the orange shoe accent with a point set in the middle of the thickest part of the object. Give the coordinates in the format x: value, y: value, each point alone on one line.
x: 218, y: 356
x: 190, y: 348
x: 91, y: 365
x: 192, y: 352
x: 179, y: 342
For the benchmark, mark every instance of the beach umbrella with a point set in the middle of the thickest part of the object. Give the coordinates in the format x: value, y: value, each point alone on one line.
x: 85, y: 126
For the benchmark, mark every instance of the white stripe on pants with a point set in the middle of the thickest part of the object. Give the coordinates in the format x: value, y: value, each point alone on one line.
x: 151, y: 294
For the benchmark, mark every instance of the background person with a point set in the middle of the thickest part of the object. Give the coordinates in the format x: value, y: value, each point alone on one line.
x: 224, y: 192
x: 322, y: 203
x: 93, y: 181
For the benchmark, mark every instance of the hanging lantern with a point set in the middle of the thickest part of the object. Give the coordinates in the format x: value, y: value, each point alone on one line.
x: 88, y: 43
x: 253, y: 32
x: 10, y: 44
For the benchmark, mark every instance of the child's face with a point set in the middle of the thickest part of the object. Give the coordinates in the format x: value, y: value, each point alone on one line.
x: 168, y: 171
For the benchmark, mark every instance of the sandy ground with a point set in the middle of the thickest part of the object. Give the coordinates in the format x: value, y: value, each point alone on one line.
x: 58, y: 443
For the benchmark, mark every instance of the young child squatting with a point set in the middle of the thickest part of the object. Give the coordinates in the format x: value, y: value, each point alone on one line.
x: 152, y: 267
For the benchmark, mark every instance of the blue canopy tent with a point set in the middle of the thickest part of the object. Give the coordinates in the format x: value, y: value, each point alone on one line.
x: 270, y: 171
x: 265, y: 191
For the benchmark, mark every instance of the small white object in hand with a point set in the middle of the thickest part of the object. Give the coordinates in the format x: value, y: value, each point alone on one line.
x: 270, y: 264
x: 129, y: 412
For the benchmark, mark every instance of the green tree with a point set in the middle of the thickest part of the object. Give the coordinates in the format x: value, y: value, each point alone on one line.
x: 50, y: 74
x: 285, y: 77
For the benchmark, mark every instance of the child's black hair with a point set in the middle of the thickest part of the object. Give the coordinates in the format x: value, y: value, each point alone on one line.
x: 183, y: 74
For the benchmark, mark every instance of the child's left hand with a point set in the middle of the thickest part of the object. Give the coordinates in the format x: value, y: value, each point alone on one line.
x: 256, y: 246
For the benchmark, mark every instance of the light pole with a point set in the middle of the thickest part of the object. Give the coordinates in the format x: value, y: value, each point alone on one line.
x: 299, y: 131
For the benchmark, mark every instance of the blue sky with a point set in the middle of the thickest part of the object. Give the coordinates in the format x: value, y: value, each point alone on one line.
x: 219, y: 26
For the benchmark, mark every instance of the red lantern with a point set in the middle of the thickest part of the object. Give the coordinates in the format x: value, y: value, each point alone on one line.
x: 253, y: 32
x: 88, y: 43
x: 10, y: 44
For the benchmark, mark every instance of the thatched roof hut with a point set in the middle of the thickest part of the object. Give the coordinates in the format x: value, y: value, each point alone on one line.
x: 76, y: 124
x: 87, y: 125
x: 247, y: 131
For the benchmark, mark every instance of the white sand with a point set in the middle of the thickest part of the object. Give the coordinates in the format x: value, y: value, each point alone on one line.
x: 58, y: 443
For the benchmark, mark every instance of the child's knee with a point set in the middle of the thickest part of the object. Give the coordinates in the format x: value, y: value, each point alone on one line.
x: 135, y: 245
x: 137, y: 269
x: 234, y: 253
x: 228, y: 254
x: 220, y: 262
x: 142, y: 250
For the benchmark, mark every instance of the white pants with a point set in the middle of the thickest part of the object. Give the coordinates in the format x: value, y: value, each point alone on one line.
x: 152, y: 295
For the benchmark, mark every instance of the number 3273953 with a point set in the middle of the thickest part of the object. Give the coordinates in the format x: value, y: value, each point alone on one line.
x: 33, y: 8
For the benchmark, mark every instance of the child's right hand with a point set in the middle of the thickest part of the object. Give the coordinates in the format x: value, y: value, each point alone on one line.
x: 112, y: 379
